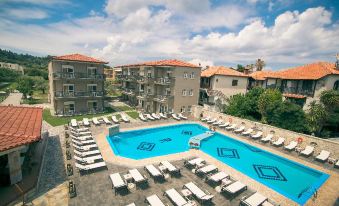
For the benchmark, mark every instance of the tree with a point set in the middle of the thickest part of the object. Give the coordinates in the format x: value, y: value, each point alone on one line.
x: 316, y: 118
x: 40, y: 84
x: 8, y: 75
x: 240, y: 68
x: 252, y: 97
x: 330, y: 100
x: 267, y: 102
x: 25, y: 85
x: 260, y: 64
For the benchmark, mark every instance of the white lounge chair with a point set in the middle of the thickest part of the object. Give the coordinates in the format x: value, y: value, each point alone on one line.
x: 255, y: 199
x: 90, y: 166
x: 231, y: 127
x: 206, y: 119
x: 171, y: 168
x: 162, y: 115
x: 182, y: 116
x: 117, y: 182
x: 212, y: 121
x: 95, y: 121
x: 194, y: 162
x: 148, y: 116
x: 142, y: 118
x: 124, y: 118
x: 224, y: 125
x: 115, y: 120
x: 240, y: 129
x: 155, y: 116
x: 74, y: 123
x: 82, y: 138
x: 336, y: 164
x: 137, y: 176
x: 247, y: 132
x: 132, y: 204
x: 86, y: 122
x: 257, y: 135
x: 176, y: 198
x: 88, y: 160
x: 86, y: 133
x: 154, y: 200
x: 291, y: 146
x: 198, y: 193
x: 307, y: 151
x: 323, y: 156
x: 268, y: 138
x: 83, y: 142
x: 234, y: 188
x: 280, y: 141
x: 85, y: 148
x: 84, y: 129
x: 106, y: 120
x: 206, y: 169
x: 175, y: 116
x: 84, y: 154
x: 154, y: 172
x: 217, y: 177
x: 218, y: 123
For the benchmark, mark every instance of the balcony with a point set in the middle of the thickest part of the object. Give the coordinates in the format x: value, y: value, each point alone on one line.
x: 144, y: 80
x: 164, y: 80
x: 129, y: 92
x: 128, y: 78
x: 61, y: 94
x: 145, y: 95
x: 64, y: 75
x: 162, y: 98
x: 300, y: 91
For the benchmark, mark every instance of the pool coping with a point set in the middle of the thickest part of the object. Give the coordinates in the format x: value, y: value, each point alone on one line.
x: 326, y: 194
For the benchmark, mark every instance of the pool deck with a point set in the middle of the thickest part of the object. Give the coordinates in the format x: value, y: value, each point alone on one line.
x: 327, y: 194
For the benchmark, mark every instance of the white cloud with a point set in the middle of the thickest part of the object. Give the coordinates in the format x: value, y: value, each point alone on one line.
x: 202, y: 63
x: 27, y: 13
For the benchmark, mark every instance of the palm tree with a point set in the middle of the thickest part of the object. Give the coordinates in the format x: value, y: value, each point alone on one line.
x: 260, y: 64
x: 249, y: 68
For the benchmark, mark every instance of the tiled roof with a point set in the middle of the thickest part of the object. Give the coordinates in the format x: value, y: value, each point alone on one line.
x: 220, y: 70
x: 166, y: 62
x: 308, y: 72
x: 296, y: 96
x: 19, y: 126
x: 79, y: 58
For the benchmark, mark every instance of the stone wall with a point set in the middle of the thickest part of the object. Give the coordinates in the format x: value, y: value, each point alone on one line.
x: 322, y: 144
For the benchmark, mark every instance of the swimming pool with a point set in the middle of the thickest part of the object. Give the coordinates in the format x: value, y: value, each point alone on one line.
x: 291, y: 179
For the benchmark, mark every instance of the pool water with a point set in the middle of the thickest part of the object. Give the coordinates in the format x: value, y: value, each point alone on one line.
x: 291, y: 179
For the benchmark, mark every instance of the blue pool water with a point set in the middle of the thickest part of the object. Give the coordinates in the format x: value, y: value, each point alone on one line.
x: 291, y: 179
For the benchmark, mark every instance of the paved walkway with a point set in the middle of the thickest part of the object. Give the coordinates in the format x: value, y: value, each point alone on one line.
x: 13, y: 98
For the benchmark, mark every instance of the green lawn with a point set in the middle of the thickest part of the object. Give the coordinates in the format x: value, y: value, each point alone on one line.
x: 37, y: 98
x: 56, y: 121
x: 123, y: 108
x: 132, y: 114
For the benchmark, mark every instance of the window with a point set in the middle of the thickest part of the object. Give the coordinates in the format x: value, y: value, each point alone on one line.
x: 192, y: 75
x: 92, y: 106
x: 190, y: 92
x: 234, y: 82
x: 336, y: 85
x: 149, y: 91
x: 183, y: 109
x: 168, y: 91
x: 92, y: 87
x: 216, y: 80
x: 184, y: 92
x: 91, y: 71
x: 67, y: 69
x: 69, y: 107
x: 68, y: 90
x: 149, y: 74
x: 185, y: 75
x: 189, y: 108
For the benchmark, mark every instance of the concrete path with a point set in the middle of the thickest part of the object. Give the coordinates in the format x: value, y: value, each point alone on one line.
x: 13, y: 98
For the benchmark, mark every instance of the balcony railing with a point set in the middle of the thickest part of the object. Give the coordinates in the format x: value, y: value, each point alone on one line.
x: 129, y: 92
x: 164, y: 80
x: 64, y: 75
x: 61, y: 94
x: 145, y: 95
x: 162, y: 98
x: 295, y: 90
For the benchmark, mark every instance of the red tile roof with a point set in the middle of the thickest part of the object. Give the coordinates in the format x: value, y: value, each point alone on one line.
x: 221, y: 70
x: 79, y: 58
x: 19, y: 126
x: 166, y: 62
x: 262, y: 75
x: 296, y: 96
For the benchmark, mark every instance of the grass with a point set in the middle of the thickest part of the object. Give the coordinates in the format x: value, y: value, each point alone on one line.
x: 123, y: 108
x: 57, y: 121
x: 132, y: 114
x: 37, y: 98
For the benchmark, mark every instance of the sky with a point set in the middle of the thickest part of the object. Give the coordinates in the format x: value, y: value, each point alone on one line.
x: 284, y: 33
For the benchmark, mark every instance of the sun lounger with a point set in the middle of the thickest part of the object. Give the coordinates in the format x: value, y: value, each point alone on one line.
x: 291, y: 146
x: 84, y: 154
x: 176, y: 198
x: 307, y: 151
x: 154, y: 200
x: 323, y: 156
x: 234, y: 188
x: 231, y: 127
x: 217, y: 177
x: 115, y: 120
x: 85, y: 148
x: 240, y: 129
x: 247, y: 132
x: 154, y: 172
x: 137, y: 176
x: 257, y: 135
x: 85, y: 133
x: 255, y: 199
x: 132, y: 204
x: 224, y: 125
x: 95, y: 121
x: 142, y: 118
x: 117, y: 182
x: 84, y: 129
x: 86, y: 122
x: 155, y: 116
x: 278, y: 142
x: 336, y: 164
x: 218, y: 123
x: 84, y: 142
x: 268, y: 138
x: 74, y: 123
x: 148, y: 116
x: 124, y: 118
x: 212, y: 121
x: 175, y: 116
x: 162, y: 115
x: 194, y: 162
x: 171, y: 168
x: 88, y: 160
x: 206, y: 169
x: 182, y: 116
x: 90, y: 166
x: 198, y: 193
x: 106, y: 120
x: 82, y: 138
x: 206, y: 119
